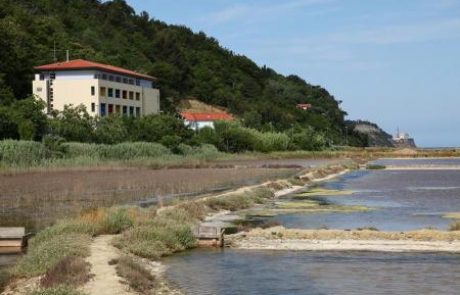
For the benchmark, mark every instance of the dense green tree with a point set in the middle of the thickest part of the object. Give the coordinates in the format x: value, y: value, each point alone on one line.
x: 110, y: 130
x: 73, y: 124
x: 154, y: 127
x: 186, y: 64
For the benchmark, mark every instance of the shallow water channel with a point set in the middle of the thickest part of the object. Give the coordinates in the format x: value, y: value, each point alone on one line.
x: 400, y: 200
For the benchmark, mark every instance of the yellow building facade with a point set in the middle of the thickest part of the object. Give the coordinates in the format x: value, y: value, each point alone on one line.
x: 102, y: 89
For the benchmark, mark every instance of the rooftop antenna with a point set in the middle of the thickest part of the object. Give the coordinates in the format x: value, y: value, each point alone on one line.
x: 55, y: 51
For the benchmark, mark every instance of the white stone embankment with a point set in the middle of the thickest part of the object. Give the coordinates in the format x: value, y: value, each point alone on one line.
x: 347, y: 245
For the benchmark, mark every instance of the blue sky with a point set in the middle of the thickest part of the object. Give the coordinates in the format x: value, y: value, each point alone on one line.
x: 393, y: 62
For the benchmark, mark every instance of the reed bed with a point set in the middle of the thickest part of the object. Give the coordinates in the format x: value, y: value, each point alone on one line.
x: 36, y: 199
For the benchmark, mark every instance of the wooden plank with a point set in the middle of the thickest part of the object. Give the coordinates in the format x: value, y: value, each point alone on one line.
x: 11, y: 243
x: 10, y: 250
x: 12, y: 232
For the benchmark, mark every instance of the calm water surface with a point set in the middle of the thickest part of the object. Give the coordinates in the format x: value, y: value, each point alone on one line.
x: 401, y: 200
x: 290, y: 273
x: 419, y: 162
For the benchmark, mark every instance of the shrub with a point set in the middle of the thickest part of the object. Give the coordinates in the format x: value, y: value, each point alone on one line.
x: 116, y: 221
x: 137, y: 276
x: 375, y: 167
x: 55, y: 145
x: 454, y: 226
x: 71, y: 270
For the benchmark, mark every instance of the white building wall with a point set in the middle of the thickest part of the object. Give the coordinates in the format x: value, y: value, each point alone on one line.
x: 197, y: 125
x: 74, y: 88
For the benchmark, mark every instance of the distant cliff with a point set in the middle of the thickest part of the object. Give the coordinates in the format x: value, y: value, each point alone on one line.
x: 373, y: 134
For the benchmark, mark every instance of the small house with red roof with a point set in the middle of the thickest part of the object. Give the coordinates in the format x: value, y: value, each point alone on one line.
x: 304, y: 106
x: 197, y: 120
x: 103, y: 89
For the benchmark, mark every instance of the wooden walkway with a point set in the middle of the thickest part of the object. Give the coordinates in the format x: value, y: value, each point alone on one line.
x: 12, y: 239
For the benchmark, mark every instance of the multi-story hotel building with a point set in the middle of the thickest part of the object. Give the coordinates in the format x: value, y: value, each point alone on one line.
x: 102, y: 89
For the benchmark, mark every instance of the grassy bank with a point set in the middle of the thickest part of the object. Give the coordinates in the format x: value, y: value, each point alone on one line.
x: 30, y: 155
x: 56, y: 253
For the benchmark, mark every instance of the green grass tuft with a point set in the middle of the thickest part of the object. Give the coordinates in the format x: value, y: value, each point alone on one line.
x: 375, y: 167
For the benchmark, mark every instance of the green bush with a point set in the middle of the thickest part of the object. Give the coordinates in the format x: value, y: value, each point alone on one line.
x: 375, y: 167
x: 116, y: 221
x: 55, y: 145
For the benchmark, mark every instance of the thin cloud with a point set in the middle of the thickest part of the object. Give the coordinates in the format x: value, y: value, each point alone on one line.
x: 405, y: 33
x: 259, y: 11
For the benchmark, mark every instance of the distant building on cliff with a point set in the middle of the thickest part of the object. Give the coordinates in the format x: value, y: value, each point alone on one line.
x: 304, y: 106
x: 403, y: 140
x: 102, y: 89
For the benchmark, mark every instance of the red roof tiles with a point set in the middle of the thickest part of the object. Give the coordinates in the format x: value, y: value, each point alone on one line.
x: 304, y: 106
x: 193, y: 117
x: 81, y: 64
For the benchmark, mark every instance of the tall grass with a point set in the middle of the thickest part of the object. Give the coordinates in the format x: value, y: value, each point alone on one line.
x: 121, y: 151
x: 23, y: 153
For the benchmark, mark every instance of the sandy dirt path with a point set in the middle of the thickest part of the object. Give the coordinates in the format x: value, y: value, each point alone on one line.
x: 105, y: 281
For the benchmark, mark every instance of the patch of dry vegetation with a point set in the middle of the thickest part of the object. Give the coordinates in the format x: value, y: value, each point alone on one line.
x: 455, y: 226
x: 71, y: 271
x: 37, y: 199
x: 136, y: 275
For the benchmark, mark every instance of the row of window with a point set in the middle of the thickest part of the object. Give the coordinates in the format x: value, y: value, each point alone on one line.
x: 108, y: 109
x: 118, y: 79
x: 116, y: 93
x: 106, y: 77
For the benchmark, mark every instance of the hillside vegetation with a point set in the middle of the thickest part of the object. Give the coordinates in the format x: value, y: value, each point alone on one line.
x: 188, y: 64
x: 374, y: 134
